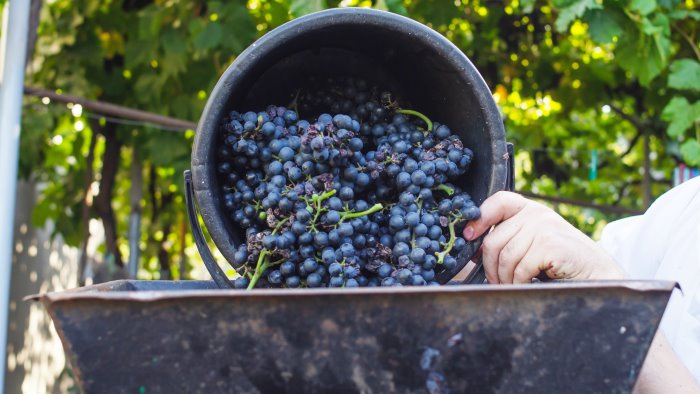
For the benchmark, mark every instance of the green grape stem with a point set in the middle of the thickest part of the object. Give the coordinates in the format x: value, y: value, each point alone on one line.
x: 418, y: 114
x: 316, y: 200
x: 447, y: 189
x: 319, y: 198
x: 279, y: 225
x: 259, y: 268
x: 450, y: 243
x: 260, y: 123
x: 350, y: 215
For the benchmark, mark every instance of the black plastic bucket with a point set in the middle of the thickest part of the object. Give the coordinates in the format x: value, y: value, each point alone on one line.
x: 403, y: 55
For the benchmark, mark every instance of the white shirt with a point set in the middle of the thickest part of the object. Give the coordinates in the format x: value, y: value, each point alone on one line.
x: 664, y: 244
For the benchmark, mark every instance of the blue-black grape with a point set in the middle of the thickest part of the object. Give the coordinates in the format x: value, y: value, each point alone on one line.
x: 305, y: 191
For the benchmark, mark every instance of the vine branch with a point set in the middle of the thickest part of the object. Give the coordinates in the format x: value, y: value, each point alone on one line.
x: 688, y: 39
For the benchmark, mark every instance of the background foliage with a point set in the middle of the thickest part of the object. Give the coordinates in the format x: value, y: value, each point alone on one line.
x: 592, y: 93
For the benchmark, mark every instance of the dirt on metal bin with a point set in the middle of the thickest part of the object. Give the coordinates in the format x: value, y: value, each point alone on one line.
x: 189, y: 337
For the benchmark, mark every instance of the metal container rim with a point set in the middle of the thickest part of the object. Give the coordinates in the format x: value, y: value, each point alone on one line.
x: 96, y: 293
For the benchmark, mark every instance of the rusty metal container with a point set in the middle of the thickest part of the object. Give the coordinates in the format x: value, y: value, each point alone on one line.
x: 190, y: 337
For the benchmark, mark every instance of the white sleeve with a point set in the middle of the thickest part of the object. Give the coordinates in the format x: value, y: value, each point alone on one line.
x: 664, y: 244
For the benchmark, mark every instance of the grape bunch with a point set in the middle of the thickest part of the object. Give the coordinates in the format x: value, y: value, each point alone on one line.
x: 363, y: 197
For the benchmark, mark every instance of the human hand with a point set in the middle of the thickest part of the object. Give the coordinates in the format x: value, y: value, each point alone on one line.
x: 530, y: 238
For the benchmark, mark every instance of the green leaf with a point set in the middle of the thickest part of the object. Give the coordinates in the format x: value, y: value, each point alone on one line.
x: 395, y: 6
x: 650, y: 28
x: 603, y: 72
x: 527, y: 6
x: 644, y: 7
x: 569, y: 11
x: 138, y: 52
x: 564, y: 3
x: 150, y: 21
x: 668, y: 4
x: 681, y: 115
x: 43, y: 211
x: 303, y: 7
x: 381, y: 5
x: 435, y: 12
x: 279, y: 13
x: 645, y: 55
x: 602, y: 25
x: 685, y: 74
x: 237, y: 36
x: 690, y: 150
x: 209, y: 37
x: 682, y: 14
x: 164, y: 148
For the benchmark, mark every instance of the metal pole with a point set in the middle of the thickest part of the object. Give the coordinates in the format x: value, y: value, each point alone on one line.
x: 114, y: 109
x: 13, y: 52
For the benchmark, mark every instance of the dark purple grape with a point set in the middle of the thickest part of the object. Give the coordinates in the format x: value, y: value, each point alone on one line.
x: 293, y: 281
x: 273, y: 167
x: 314, y: 280
x: 241, y: 283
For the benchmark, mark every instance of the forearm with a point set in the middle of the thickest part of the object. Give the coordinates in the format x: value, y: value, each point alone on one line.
x: 663, y: 372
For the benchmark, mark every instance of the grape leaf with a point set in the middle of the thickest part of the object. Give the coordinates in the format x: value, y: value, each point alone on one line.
x: 602, y: 25
x: 395, y: 6
x: 668, y: 4
x: 681, y: 115
x: 645, y: 55
x: 572, y: 11
x: 563, y: 3
x: 173, y: 43
x: 237, y: 36
x: 164, y: 147
x: 682, y: 14
x: 209, y: 37
x: 278, y: 12
x: 138, y: 52
x: 527, y: 5
x: 435, y: 12
x: 303, y: 7
x: 175, y: 55
x: 381, y: 5
x: 685, y: 74
x: 690, y: 150
x: 644, y: 7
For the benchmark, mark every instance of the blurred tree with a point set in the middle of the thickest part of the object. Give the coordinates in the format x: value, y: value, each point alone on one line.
x: 600, y: 97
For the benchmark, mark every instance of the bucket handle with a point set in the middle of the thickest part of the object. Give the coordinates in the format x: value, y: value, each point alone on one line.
x: 214, y: 269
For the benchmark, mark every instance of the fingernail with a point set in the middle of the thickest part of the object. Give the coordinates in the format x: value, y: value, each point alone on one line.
x: 468, y: 232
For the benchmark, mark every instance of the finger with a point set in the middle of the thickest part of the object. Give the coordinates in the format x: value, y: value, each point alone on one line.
x: 495, y: 209
x: 511, y: 256
x: 494, y: 243
x: 532, y: 263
